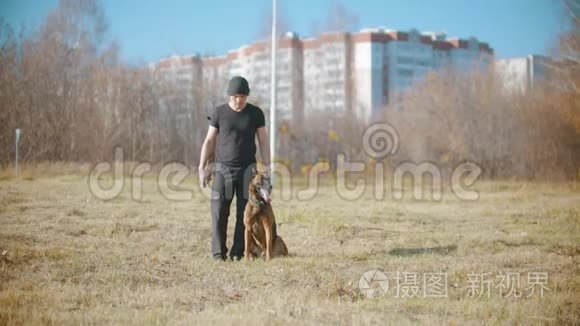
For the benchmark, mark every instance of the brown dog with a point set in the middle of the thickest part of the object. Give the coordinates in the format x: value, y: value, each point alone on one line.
x: 260, y: 235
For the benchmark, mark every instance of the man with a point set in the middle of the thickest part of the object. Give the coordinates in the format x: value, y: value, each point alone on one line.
x: 232, y: 130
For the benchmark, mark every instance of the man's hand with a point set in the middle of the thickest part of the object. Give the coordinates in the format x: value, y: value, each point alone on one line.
x: 268, y: 173
x: 268, y: 170
x: 204, y: 175
x: 207, y: 156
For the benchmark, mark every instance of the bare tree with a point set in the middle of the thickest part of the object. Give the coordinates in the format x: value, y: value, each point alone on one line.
x: 340, y: 19
x: 265, y: 26
x: 451, y: 117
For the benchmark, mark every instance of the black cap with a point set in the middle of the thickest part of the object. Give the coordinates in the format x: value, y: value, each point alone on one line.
x: 238, y: 85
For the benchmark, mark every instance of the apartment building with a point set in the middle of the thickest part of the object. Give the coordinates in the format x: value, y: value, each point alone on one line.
x: 327, y: 73
x: 388, y: 62
x: 360, y: 72
x: 521, y: 73
x: 182, y: 74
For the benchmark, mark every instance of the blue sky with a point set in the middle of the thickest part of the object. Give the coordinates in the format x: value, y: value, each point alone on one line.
x: 149, y: 30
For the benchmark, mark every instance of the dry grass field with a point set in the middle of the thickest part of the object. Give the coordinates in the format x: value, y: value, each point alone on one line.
x: 70, y: 258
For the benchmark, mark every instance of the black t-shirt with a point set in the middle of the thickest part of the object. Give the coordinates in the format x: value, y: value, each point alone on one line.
x: 236, y: 144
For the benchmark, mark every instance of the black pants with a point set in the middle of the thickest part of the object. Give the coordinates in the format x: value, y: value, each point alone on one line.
x: 228, y: 181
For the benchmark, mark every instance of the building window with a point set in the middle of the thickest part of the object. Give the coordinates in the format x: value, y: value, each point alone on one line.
x: 407, y: 73
x: 424, y: 62
x: 404, y: 60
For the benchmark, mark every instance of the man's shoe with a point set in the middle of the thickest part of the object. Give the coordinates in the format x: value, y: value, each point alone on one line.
x: 220, y: 257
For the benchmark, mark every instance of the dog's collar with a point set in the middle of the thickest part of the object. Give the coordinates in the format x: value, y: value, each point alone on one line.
x: 258, y: 203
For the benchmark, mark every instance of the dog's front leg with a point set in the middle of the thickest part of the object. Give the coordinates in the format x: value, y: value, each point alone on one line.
x: 268, y: 229
x: 248, y: 242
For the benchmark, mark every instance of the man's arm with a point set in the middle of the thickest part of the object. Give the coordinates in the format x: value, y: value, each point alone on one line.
x: 264, y: 146
x: 207, y: 151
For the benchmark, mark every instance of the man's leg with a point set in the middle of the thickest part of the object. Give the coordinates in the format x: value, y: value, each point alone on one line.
x: 222, y: 195
x: 244, y: 176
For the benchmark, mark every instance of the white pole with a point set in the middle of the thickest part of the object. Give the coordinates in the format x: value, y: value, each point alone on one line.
x: 273, y: 91
x: 17, y: 139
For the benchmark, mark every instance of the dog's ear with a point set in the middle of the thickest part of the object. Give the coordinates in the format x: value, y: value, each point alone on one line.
x: 254, y: 171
